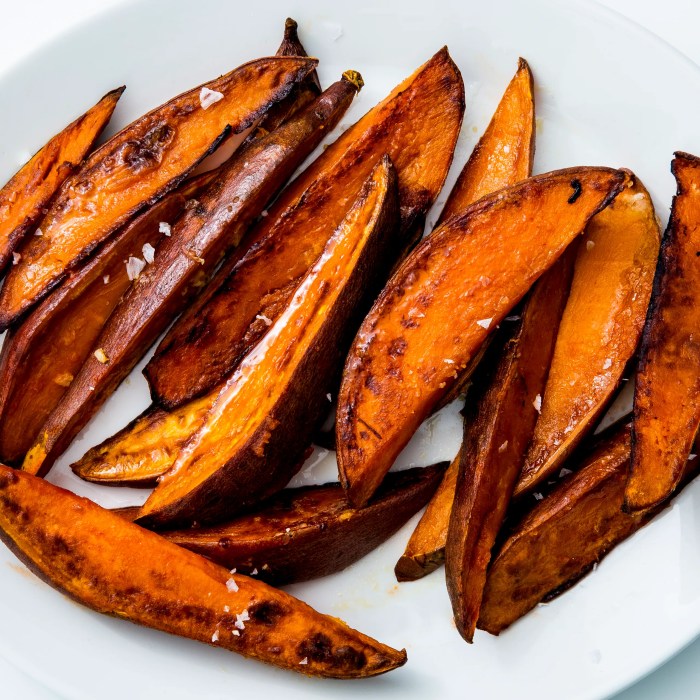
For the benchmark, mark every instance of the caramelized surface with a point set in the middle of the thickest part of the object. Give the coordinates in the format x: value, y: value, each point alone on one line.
x: 437, y: 310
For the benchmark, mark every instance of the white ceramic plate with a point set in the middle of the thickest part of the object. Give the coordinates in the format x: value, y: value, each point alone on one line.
x: 608, y: 93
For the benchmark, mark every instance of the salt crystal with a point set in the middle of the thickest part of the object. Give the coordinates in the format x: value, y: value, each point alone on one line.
x: 691, y: 457
x: 237, y: 633
x: 241, y: 619
x: 209, y: 97
x: 101, y: 356
x: 149, y: 252
x: 164, y: 227
x: 329, y: 397
x: 262, y: 317
x: 537, y: 403
x: 38, y: 232
x: 215, y: 636
x: 134, y: 267
x: 227, y: 609
x: 484, y: 322
x: 607, y: 364
x: 506, y: 148
x: 503, y: 447
x: 304, y: 661
x: 448, y: 361
x: 254, y: 572
x: 538, y: 496
x: 512, y: 318
x: 564, y: 472
x: 590, y: 245
x: 231, y: 586
x: 265, y: 213
x: 16, y: 257
x: 105, y: 279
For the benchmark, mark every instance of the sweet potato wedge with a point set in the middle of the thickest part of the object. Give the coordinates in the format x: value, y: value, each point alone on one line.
x: 666, y: 406
x: 138, y: 166
x: 255, y: 435
x: 501, y: 414
x: 601, y: 327
x: 564, y: 535
x: 505, y: 152
x: 184, y: 262
x: 41, y: 357
x: 120, y: 569
x: 438, y: 307
x: 416, y: 125
x: 312, y: 531
x: 24, y: 198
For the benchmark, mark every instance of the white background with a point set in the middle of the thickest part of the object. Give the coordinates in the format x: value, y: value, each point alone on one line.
x: 29, y: 24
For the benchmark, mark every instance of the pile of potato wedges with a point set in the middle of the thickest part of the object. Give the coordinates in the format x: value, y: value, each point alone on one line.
x: 532, y: 301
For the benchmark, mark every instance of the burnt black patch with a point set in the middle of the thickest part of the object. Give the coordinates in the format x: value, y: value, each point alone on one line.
x: 576, y: 186
x: 349, y: 657
x: 316, y: 648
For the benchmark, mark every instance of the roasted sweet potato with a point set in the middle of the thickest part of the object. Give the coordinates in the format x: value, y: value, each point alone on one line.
x: 183, y: 263
x: 417, y: 125
x: 505, y: 152
x: 601, y: 327
x: 564, y: 536
x: 41, y: 357
x: 311, y: 531
x: 438, y: 308
x: 24, y: 198
x: 666, y: 405
x: 254, y: 437
x: 117, y: 568
x: 138, y: 166
x: 503, y: 415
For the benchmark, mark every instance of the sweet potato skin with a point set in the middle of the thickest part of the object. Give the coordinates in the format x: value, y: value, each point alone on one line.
x: 505, y: 152
x: 41, y: 357
x: 417, y: 126
x: 135, y: 168
x: 601, y: 327
x: 312, y: 531
x: 29, y: 191
x: 183, y: 264
x: 98, y: 559
x: 241, y: 456
x: 439, y: 304
x: 666, y: 406
x: 564, y: 535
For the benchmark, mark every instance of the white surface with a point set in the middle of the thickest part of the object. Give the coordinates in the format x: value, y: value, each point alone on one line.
x: 606, y: 94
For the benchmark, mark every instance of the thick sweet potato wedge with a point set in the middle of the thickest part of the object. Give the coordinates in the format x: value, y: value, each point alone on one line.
x: 416, y: 125
x: 502, y: 414
x: 564, y: 536
x: 312, y: 531
x: 437, y: 309
x: 183, y: 263
x: 117, y: 568
x: 505, y: 152
x: 24, y: 198
x: 138, y: 166
x: 41, y: 357
x: 255, y: 435
x: 666, y: 405
x: 601, y: 327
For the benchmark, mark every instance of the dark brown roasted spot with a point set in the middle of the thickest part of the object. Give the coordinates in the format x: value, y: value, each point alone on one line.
x: 143, y: 153
x: 267, y: 612
x: 576, y: 185
x: 7, y: 478
x: 319, y: 648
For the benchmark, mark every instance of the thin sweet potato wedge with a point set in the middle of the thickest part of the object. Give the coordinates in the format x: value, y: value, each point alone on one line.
x: 505, y: 152
x: 601, y: 327
x: 262, y: 422
x: 184, y: 262
x: 437, y: 309
x: 41, y: 357
x: 564, y: 535
x: 666, y: 405
x: 312, y: 531
x: 139, y: 165
x: 416, y: 125
x: 117, y: 568
x: 28, y: 193
x: 497, y: 431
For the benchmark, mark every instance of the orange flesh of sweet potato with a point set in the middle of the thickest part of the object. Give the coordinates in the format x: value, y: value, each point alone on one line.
x: 308, y: 532
x: 183, y: 264
x: 503, y: 416
x: 666, y: 403
x: 41, y: 357
x: 505, y: 152
x: 564, y: 536
x: 138, y: 166
x: 437, y: 309
x: 416, y: 125
x: 601, y: 327
x: 497, y: 432
x: 28, y: 193
x: 117, y: 568
x: 254, y: 437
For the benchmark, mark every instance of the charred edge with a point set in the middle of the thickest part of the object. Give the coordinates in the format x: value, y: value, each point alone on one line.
x: 576, y: 185
x: 319, y: 648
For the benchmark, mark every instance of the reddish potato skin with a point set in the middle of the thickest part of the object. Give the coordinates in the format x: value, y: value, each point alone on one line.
x: 239, y: 456
x: 312, y: 531
x: 117, y: 568
x: 666, y: 405
x: 183, y: 263
x: 417, y: 126
x: 135, y: 168
x: 45, y: 352
x: 440, y: 304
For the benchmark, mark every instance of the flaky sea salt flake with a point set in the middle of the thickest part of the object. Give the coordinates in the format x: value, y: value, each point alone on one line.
x: 209, y: 97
